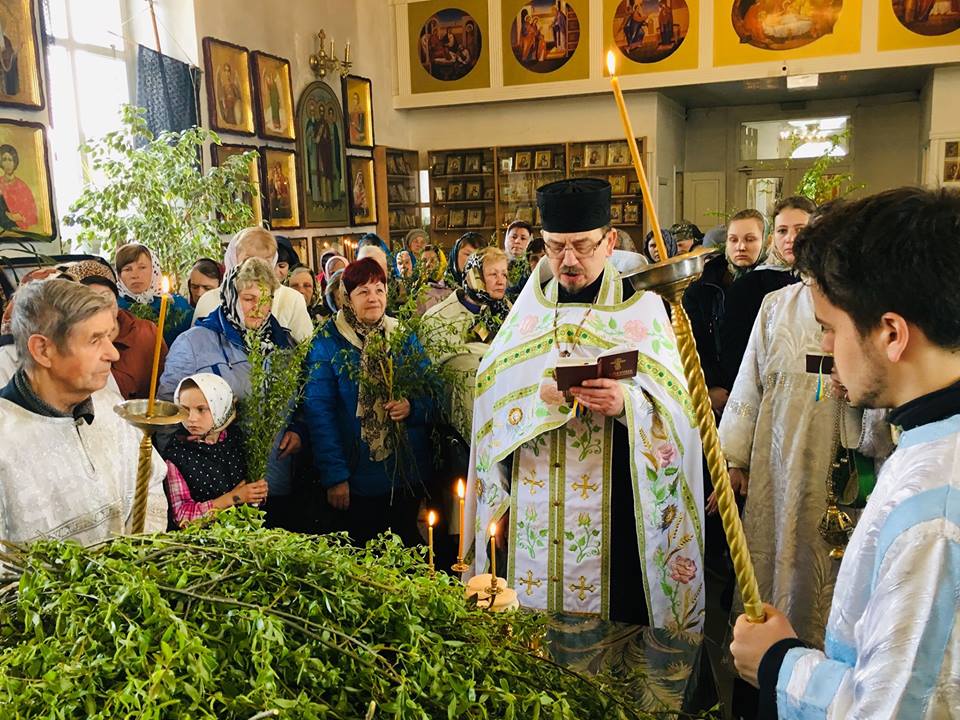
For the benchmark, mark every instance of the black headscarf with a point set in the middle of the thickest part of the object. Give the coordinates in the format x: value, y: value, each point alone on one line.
x: 454, y: 275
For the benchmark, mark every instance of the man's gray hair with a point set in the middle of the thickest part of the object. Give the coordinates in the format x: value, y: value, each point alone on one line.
x: 51, y: 308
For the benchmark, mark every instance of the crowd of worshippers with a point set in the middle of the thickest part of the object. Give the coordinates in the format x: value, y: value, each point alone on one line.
x: 590, y: 489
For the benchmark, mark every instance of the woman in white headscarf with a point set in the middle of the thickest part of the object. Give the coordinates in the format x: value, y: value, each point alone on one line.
x: 205, y: 462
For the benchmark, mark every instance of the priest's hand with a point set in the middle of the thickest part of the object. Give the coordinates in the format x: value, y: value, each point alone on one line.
x: 602, y: 395
x: 397, y: 409
x: 290, y: 444
x: 752, y: 640
x: 339, y: 496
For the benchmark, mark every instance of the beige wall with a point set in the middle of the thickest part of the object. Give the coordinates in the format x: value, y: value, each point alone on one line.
x: 885, y: 151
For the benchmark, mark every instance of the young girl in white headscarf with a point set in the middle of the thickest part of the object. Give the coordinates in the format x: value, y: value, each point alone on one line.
x: 205, y: 462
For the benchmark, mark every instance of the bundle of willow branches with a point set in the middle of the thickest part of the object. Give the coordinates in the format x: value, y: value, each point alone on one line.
x: 230, y: 620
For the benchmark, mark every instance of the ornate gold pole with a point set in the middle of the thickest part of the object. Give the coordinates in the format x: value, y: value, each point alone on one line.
x: 147, y: 420
x: 144, y: 465
x: 670, y: 277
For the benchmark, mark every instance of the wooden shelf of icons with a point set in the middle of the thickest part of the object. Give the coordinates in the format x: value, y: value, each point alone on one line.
x: 521, y: 171
x: 462, y: 193
x: 403, y: 192
x: 611, y: 160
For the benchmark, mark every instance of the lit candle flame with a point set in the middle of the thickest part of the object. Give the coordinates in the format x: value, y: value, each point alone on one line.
x: 461, y: 490
x: 493, y: 529
x: 165, y: 285
x: 431, y: 518
x: 611, y: 63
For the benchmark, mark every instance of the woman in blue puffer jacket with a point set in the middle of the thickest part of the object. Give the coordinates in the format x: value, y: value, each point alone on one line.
x: 372, y: 481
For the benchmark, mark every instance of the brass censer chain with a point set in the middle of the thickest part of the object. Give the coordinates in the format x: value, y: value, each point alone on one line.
x: 835, y: 525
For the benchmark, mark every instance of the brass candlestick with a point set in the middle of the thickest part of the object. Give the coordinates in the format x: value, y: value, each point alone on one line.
x: 670, y: 278
x: 135, y: 413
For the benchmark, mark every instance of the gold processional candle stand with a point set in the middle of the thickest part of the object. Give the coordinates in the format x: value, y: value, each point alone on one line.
x: 135, y: 412
x: 670, y: 278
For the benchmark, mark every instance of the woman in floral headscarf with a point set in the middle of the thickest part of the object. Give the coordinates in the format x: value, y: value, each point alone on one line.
x: 218, y: 344
x: 138, y: 282
x: 206, y: 470
x: 473, y: 314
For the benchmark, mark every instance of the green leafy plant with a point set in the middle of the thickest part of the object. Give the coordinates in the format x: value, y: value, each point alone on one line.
x: 229, y: 620
x: 821, y: 182
x: 276, y: 387
x: 152, y: 190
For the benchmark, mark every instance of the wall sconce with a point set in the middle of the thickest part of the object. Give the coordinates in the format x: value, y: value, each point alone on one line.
x: 322, y: 63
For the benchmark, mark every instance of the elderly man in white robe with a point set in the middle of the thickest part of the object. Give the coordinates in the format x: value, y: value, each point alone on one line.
x: 68, y: 462
x: 889, y: 303
x: 602, y: 489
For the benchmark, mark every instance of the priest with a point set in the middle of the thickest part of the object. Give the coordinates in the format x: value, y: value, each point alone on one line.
x: 597, y: 493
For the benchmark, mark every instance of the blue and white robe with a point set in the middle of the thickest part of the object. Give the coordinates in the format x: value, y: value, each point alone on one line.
x: 893, y: 639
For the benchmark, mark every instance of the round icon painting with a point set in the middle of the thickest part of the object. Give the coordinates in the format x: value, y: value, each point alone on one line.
x: 928, y: 17
x: 647, y: 31
x: 545, y: 34
x: 784, y: 24
x: 450, y: 44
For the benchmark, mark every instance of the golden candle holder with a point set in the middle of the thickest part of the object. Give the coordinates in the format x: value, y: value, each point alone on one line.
x: 135, y: 412
x: 669, y: 279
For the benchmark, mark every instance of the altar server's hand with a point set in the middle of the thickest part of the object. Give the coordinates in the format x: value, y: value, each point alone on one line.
x: 602, y: 395
x: 752, y: 640
x: 739, y: 479
x: 397, y: 409
x: 339, y: 496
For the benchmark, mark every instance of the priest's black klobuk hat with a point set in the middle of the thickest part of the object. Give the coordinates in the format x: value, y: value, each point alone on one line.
x: 574, y: 205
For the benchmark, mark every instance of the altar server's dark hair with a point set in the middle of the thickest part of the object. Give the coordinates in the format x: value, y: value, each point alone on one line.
x: 897, y: 251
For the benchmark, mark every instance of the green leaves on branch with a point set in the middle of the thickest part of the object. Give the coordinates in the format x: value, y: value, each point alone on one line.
x: 229, y: 620
x: 276, y: 386
x: 152, y: 190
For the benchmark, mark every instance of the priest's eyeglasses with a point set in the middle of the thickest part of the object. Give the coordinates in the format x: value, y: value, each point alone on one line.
x: 581, y: 248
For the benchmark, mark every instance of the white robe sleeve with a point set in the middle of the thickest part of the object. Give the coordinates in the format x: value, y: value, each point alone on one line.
x: 156, y: 519
x: 739, y: 422
x: 908, y: 641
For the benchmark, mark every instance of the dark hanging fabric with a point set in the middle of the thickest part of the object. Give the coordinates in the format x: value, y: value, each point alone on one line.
x: 169, y: 90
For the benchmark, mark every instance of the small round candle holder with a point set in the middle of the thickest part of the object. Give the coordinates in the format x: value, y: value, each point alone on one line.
x: 135, y: 412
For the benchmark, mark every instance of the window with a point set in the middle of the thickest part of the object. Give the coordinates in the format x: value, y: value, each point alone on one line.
x: 795, y: 139
x: 90, y: 77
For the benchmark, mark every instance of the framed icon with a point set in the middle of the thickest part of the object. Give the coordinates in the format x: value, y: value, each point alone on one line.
x: 506, y: 164
x: 474, y: 190
x: 363, y: 194
x: 323, y: 166
x: 454, y: 164
x: 280, y: 180
x: 457, y: 218
x: 455, y: 191
x: 522, y: 160
x: 618, y: 154
x: 474, y: 217
x: 229, y: 95
x: 543, y: 160
x: 616, y: 213
x: 25, y: 187
x: 358, y: 99
x: 618, y: 184
x: 472, y: 163
x: 220, y: 153
x: 274, y: 96
x: 21, y: 83
x: 595, y: 155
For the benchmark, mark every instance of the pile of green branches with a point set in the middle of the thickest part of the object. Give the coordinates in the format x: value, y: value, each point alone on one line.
x: 229, y: 620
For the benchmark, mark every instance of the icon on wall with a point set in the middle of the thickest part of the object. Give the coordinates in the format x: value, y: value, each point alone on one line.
x: 229, y: 95
x: 358, y: 99
x: 363, y: 196
x: 450, y: 44
x: 323, y: 162
x: 545, y: 34
x: 951, y: 162
x: 274, y: 96
x: 647, y: 31
x: 280, y: 175
x: 20, y: 83
x: 26, y: 199
x: 928, y: 17
x: 779, y: 25
x: 219, y: 154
